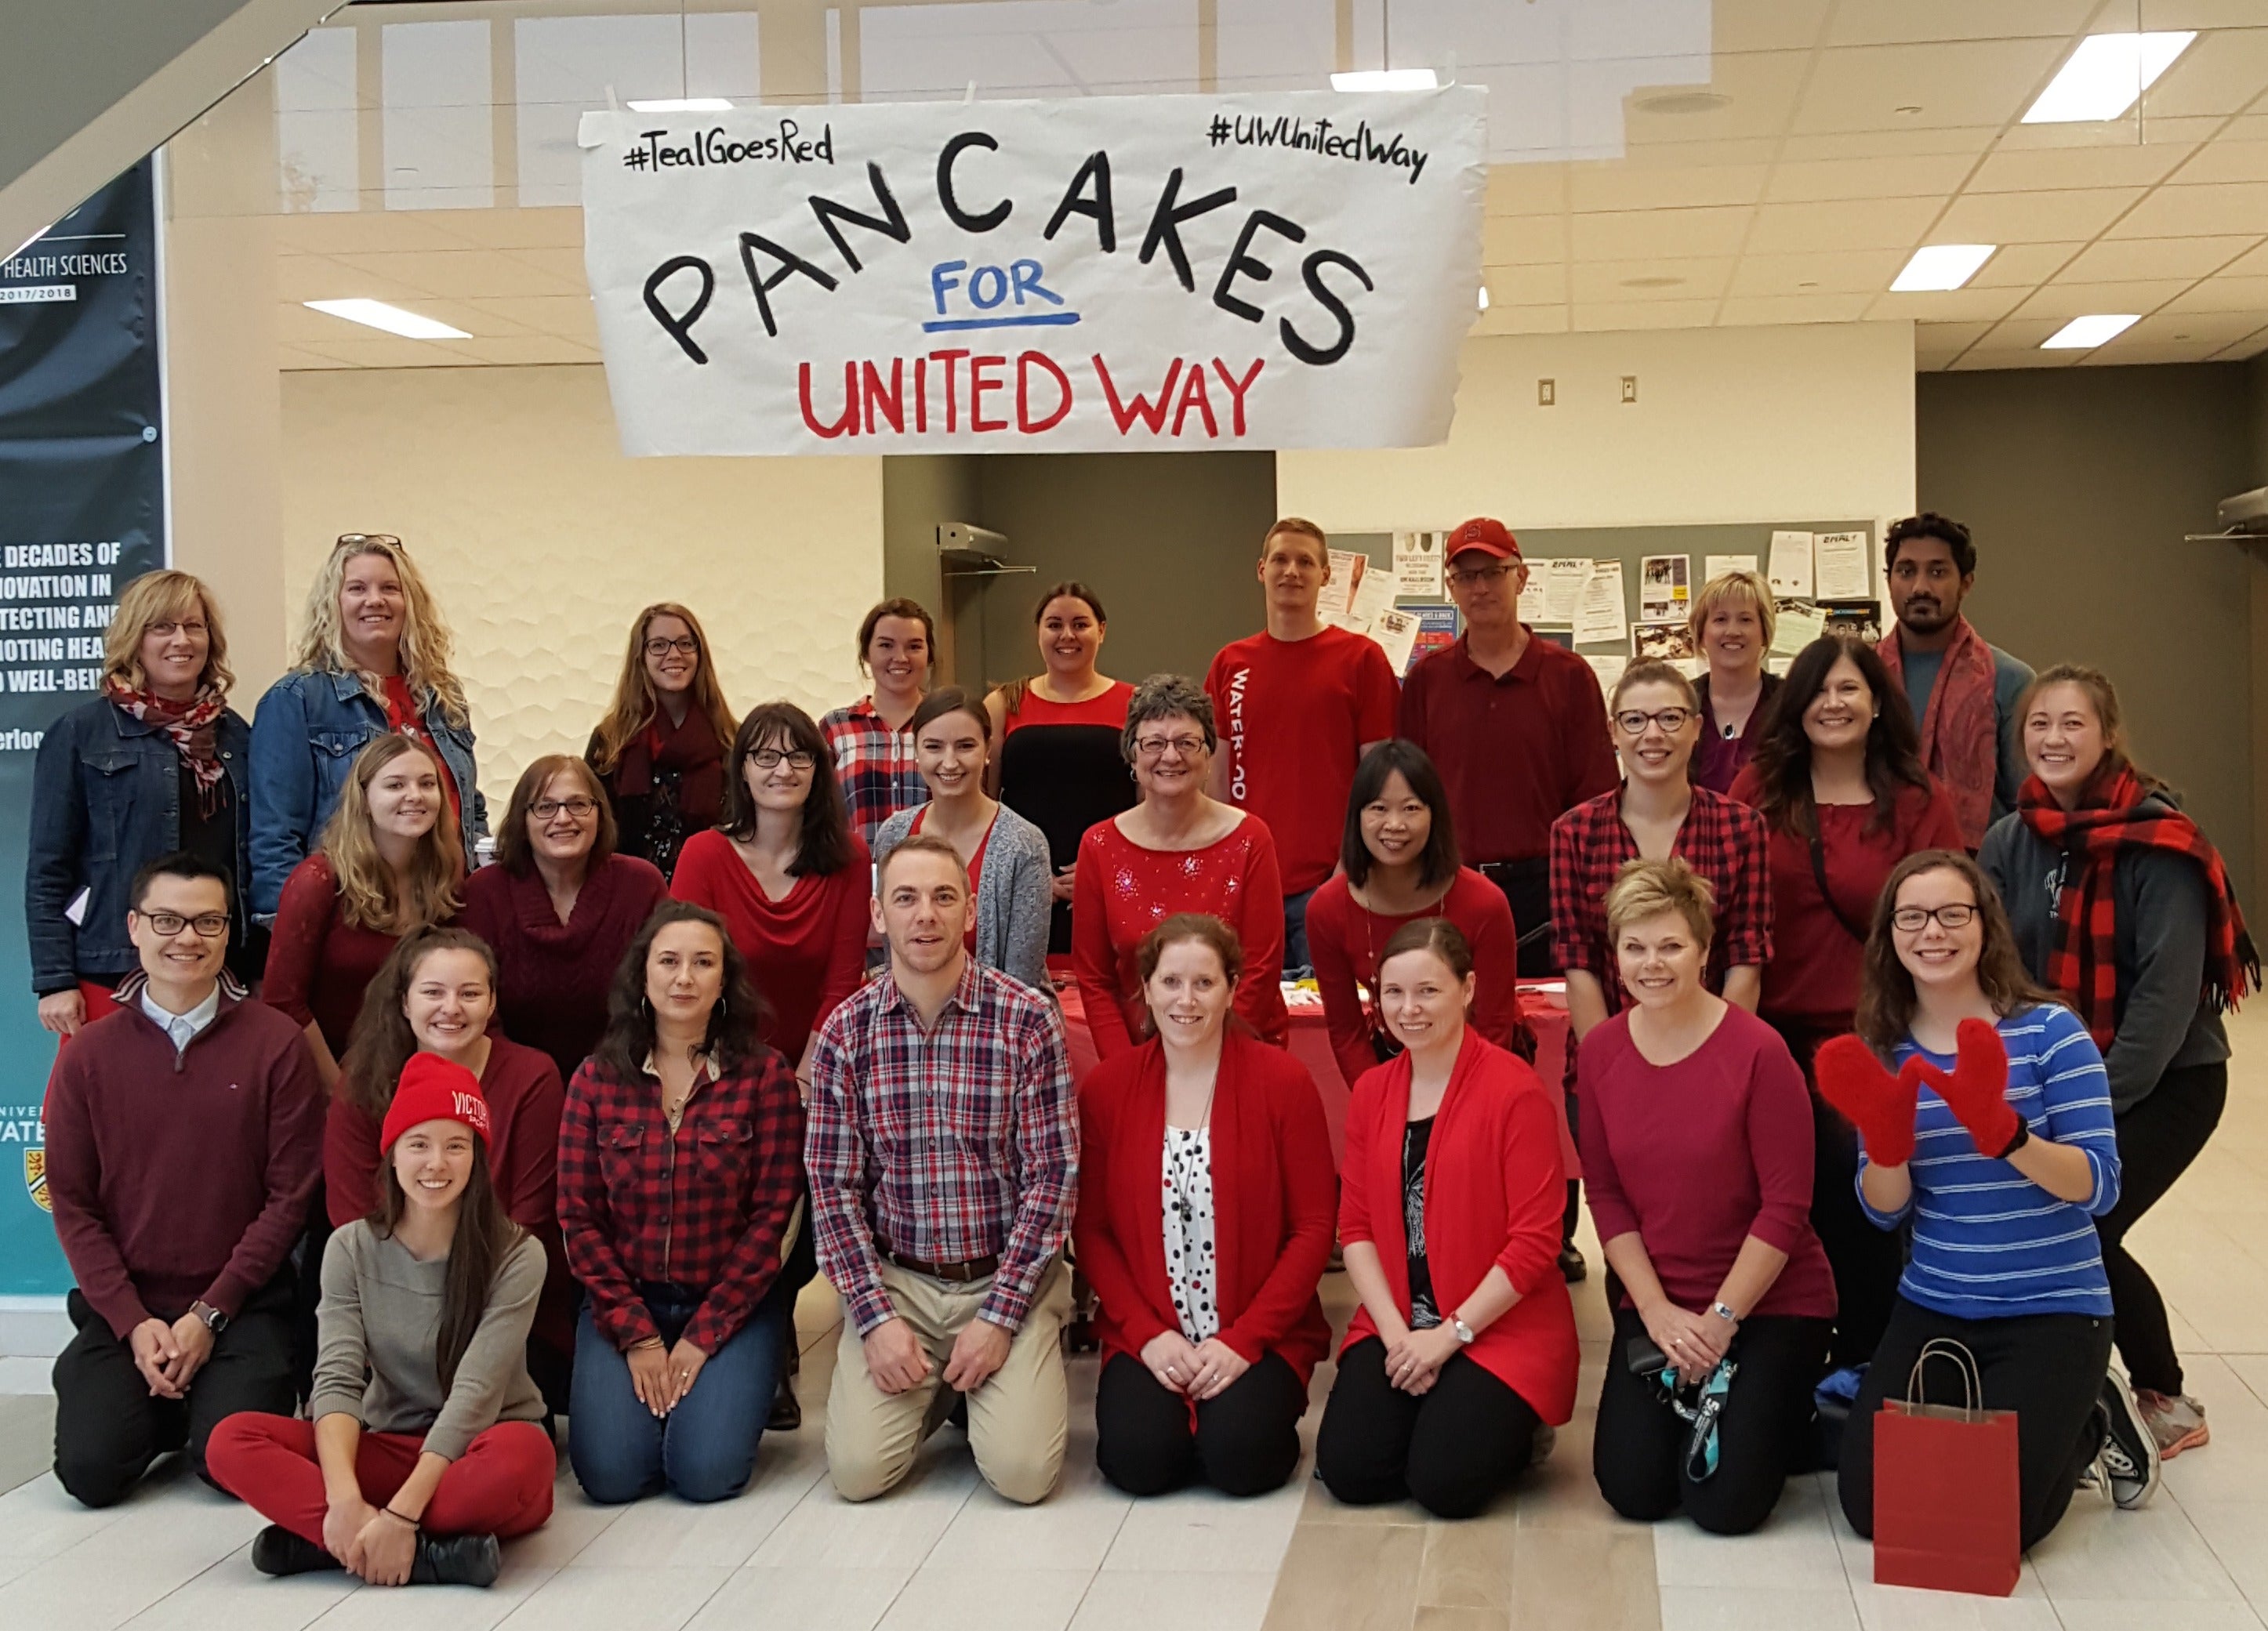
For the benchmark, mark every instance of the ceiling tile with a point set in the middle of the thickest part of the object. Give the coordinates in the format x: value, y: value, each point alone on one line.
x: 1639, y: 235
x: 1527, y: 286
x: 1607, y: 315
x: 322, y: 277
x: 466, y: 273
x: 2177, y: 211
x: 2118, y: 259
x: 2065, y: 301
x: 2123, y: 353
x: 1613, y: 185
x: 1517, y: 189
x: 567, y: 317
x: 292, y: 358
x: 2223, y: 73
x: 1522, y: 240
x: 551, y: 227
x: 355, y: 231
x: 2227, y: 161
x: 2022, y: 265
x: 2252, y: 345
x: 2210, y: 329
x: 389, y: 351
x: 1960, y: 83
x: 1942, y: 341
x: 1763, y: 309
x: 1768, y: 24
x: 2103, y: 163
x: 2030, y: 217
x: 1899, y: 143
x: 1761, y: 88
x: 1593, y: 281
x: 1676, y: 155
x: 1864, y: 224
x: 533, y: 350
x: 1922, y: 175
x: 566, y: 265
x: 1878, y: 22
x: 2224, y: 294
x: 2197, y: 13
x: 1534, y: 319
x: 2253, y: 264
x: 1979, y: 361
x: 1828, y: 272
x: 1948, y: 305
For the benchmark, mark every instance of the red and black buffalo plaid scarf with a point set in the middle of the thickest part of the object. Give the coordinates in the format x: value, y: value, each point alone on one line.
x: 2111, y: 820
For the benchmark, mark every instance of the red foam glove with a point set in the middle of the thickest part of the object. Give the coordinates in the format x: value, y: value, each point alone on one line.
x: 1880, y: 1105
x: 1977, y: 1092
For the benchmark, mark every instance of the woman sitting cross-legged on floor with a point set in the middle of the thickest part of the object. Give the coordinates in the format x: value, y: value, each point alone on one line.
x: 424, y: 1445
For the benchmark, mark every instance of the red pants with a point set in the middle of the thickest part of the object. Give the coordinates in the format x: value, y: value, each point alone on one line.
x: 501, y: 1486
x: 96, y: 995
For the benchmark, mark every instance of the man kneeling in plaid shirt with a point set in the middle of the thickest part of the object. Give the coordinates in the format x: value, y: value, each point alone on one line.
x: 943, y: 1152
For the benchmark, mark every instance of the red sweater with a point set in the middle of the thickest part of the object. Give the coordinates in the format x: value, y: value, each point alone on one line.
x: 1273, y: 1187
x: 179, y: 1179
x: 556, y: 975
x: 319, y: 965
x: 805, y: 952
x: 1345, y: 940
x: 1495, y: 1189
x: 1121, y: 892
x: 1695, y: 1157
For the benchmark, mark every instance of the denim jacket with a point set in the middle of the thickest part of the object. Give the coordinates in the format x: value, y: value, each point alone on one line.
x: 304, y: 736
x: 107, y: 798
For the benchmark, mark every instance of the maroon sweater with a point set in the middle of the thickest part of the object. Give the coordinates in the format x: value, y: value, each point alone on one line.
x: 179, y: 1178
x: 555, y: 974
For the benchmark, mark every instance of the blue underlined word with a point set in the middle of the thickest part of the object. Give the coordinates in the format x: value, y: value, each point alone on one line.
x: 1040, y: 319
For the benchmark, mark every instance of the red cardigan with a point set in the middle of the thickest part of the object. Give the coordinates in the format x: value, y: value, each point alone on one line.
x: 1495, y: 1189
x: 1272, y: 1184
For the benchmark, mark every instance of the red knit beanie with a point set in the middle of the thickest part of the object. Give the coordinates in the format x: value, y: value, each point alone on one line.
x: 434, y: 1090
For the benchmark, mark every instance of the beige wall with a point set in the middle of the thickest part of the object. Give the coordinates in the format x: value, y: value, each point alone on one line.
x: 1730, y: 425
x: 543, y: 540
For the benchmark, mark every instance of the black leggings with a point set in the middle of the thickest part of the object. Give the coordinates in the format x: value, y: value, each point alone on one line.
x: 1637, y: 1452
x: 2157, y: 1140
x: 1449, y: 1449
x: 1244, y: 1442
x: 2047, y: 1368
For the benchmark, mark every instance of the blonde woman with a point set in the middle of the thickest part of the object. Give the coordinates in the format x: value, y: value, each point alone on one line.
x: 1732, y: 624
x: 660, y: 750
x: 373, y: 658
x: 388, y: 863
x: 156, y: 764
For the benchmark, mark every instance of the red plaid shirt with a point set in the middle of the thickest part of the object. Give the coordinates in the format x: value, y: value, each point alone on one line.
x: 1722, y: 840
x: 952, y: 1145
x: 874, y: 764
x: 706, y: 1206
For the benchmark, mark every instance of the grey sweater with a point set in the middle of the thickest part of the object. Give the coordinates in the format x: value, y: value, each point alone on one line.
x: 379, y: 1318
x: 1012, y: 898
x: 2159, y: 897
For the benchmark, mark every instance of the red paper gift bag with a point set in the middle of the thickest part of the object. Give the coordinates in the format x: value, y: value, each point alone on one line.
x: 1946, y: 1498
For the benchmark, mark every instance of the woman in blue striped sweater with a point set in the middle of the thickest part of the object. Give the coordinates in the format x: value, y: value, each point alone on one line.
x: 1995, y: 1138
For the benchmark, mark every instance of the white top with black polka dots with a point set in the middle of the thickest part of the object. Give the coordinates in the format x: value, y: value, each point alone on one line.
x: 1192, y: 1271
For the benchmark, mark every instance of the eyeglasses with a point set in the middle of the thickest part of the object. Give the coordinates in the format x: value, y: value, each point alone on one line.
x: 660, y: 647
x: 772, y: 758
x: 355, y: 540
x: 1632, y: 722
x: 209, y: 925
x: 1154, y: 747
x: 581, y: 809
x: 1911, y: 920
x: 1473, y: 578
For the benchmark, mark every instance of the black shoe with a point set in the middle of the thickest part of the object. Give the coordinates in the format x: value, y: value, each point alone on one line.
x: 1571, y: 1265
x: 2130, y: 1453
x: 277, y: 1551
x: 787, y: 1410
x: 456, y: 1560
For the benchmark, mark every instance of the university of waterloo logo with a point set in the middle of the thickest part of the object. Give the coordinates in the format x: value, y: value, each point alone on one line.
x: 35, y: 1177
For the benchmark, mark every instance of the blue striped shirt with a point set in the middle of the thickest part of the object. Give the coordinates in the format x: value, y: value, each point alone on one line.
x: 1988, y: 1243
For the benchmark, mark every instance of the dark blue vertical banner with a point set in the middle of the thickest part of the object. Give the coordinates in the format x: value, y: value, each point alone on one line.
x: 82, y: 509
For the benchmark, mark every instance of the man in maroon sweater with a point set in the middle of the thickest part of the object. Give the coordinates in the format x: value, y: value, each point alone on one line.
x: 184, y: 1142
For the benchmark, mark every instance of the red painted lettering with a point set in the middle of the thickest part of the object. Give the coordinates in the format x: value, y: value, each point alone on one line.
x: 1141, y: 408
x: 850, y: 420
x: 1238, y: 387
x: 1193, y: 395
x: 921, y: 393
x: 946, y: 359
x: 1025, y: 422
x: 892, y: 403
x: 978, y: 385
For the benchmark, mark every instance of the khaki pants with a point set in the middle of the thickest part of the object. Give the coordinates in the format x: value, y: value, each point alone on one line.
x: 1017, y: 1419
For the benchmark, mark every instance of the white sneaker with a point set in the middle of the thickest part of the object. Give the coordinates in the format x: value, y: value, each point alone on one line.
x: 2175, y: 1420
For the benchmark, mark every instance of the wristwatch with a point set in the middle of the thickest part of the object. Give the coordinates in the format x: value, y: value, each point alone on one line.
x: 215, y: 1321
x: 1465, y: 1332
x: 1724, y: 1313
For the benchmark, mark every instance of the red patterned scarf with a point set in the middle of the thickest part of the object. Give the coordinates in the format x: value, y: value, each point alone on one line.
x: 191, y: 725
x: 1960, y: 732
x: 2111, y: 820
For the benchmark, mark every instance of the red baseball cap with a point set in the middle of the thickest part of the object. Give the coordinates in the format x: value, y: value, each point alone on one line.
x: 1489, y: 537
x: 434, y: 1090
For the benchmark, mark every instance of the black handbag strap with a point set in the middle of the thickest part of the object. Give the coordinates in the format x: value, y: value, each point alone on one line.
x: 1819, y: 876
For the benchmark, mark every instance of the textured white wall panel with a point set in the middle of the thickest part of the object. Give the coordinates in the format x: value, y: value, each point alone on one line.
x: 542, y: 540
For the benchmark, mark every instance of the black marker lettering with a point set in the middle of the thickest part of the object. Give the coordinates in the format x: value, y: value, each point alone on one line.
x: 890, y: 223
x: 946, y: 196
x: 1311, y: 273
x: 680, y: 328
x: 1096, y: 206
x: 1165, y: 225
x: 1241, y: 263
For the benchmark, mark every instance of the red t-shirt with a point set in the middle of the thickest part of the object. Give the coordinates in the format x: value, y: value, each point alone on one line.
x: 401, y: 714
x: 805, y: 952
x: 1293, y: 715
x: 1817, y: 962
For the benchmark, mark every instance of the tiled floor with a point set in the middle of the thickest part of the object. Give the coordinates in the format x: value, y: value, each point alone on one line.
x: 944, y: 1553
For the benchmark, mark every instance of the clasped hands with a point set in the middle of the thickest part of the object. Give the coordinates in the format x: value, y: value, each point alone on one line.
x: 1201, y: 1370
x: 662, y: 1376
x: 1882, y: 1105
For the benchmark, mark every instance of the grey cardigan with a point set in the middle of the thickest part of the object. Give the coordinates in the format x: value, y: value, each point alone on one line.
x: 380, y: 1314
x: 1012, y: 897
x: 2159, y: 897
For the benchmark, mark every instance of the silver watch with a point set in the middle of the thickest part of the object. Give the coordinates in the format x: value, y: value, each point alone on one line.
x: 1724, y: 1313
x: 1464, y: 1332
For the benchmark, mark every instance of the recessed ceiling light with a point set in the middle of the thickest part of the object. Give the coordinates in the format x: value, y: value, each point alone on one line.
x: 1941, y: 266
x: 1387, y: 79
x: 1483, y: 297
x: 2106, y: 76
x: 392, y: 318
x: 2084, y: 334
x: 682, y: 105
x: 1682, y: 102
x: 1655, y: 281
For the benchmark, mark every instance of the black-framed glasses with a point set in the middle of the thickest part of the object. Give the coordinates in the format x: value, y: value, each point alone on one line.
x: 1472, y: 577
x: 661, y: 646
x: 357, y: 540
x: 772, y: 758
x: 1911, y: 920
x: 1633, y: 722
x: 582, y: 807
x: 209, y: 925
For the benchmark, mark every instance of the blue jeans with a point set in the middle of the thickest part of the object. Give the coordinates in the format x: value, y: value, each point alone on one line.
x: 705, y: 1450
x: 1298, y: 965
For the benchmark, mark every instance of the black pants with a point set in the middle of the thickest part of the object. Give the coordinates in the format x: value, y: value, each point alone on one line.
x: 109, y: 1428
x: 1637, y: 1452
x: 2047, y: 1368
x: 1867, y: 1262
x: 1527, y: 886
x: 2157, y: 1140
x: 1245, y: 1442
x: 1450, y: 1448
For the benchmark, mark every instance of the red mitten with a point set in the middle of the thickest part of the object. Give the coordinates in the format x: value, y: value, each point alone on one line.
x: 1880, y: 1105
x: 1977, y: 1092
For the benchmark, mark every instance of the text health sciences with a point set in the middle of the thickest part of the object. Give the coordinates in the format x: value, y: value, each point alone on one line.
x: 1293, y: 270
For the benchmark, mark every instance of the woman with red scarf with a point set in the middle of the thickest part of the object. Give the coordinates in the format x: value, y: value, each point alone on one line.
x: 156, y: 764
x: 660, y: 750
x: 2121, y: 905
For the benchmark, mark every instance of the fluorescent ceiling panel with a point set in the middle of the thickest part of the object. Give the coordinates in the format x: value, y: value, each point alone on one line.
x: 1387, y: 79
x: 391, y: 319
x: 1941, y: 266
x: 2084, y: 334
x: 2106, y: 76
